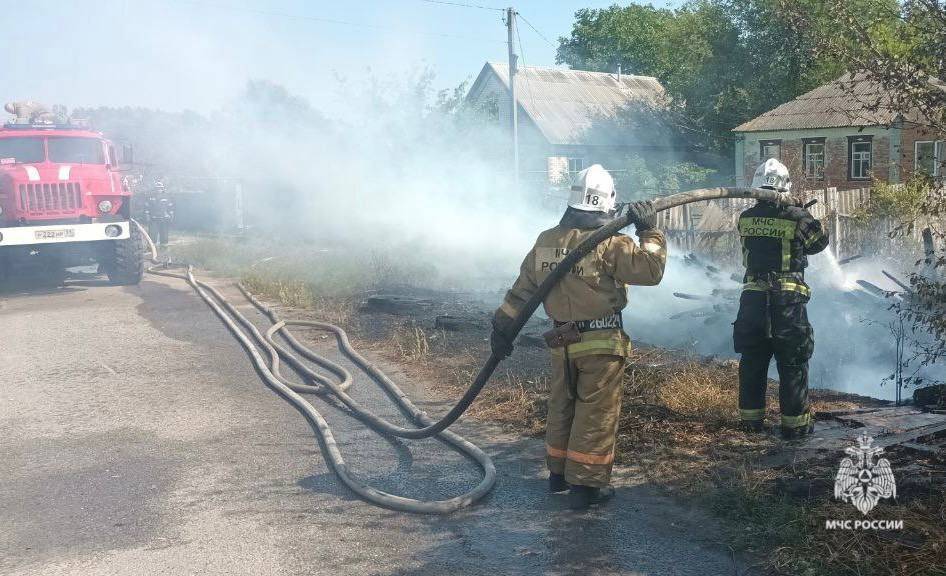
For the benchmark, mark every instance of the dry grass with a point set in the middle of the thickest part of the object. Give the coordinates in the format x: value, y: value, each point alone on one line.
x: 288, y: 292
x: 919, y: 549
x: 411, y: 344
x: 680, y: 419
x: 327, y: 270
x: 514, y: 401
x: 788, y: 531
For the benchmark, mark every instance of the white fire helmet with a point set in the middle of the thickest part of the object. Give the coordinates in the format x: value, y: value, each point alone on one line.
x: 772, y: 174
x: 593, y: 190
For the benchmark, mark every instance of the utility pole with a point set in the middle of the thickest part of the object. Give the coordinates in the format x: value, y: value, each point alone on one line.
x: 513, y: 71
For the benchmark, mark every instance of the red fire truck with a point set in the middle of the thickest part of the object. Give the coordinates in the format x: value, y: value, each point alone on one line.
x: 63, y: 202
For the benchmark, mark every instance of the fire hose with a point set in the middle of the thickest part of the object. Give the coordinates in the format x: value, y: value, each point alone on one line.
x: 292, y: 392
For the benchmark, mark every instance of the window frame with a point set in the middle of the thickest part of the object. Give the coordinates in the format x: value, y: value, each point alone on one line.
x: 940, y: 152
x: 569, y: 160
x: 805, y: 142
x: 101, y: 158
x: 42, y: 147
x: 763, y: 144
x: 916, y: 155
x: 851, y: 142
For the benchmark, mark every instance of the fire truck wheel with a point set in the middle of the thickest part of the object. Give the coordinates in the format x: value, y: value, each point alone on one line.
x: 4, y: 267
x: 127, y: 264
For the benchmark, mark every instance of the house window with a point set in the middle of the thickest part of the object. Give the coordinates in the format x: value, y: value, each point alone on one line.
x: 859, y: 157
x: 813, y: 158
x: 929, y: 158
x: 770, y: 149
x: 576, y: 165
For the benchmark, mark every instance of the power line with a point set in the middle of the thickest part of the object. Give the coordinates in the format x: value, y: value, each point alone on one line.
x: 536, y: 30
x: 304, y: 17
x: 462, y: 5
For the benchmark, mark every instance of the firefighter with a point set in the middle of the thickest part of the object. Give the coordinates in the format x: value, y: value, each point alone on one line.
x: 588, y: 343
x: 159, y: 211
x: 772, y: 318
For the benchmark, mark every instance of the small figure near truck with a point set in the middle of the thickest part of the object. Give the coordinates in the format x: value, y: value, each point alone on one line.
x: 159, y: 211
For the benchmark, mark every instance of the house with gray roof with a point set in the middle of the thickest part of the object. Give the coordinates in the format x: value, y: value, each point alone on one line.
x: 570, y: 119
x: 842, y: 134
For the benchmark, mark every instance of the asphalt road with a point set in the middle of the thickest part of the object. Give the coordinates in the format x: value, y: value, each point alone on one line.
x: 135, y: 438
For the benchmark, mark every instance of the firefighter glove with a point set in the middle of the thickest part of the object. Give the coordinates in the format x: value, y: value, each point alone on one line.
x: 798, y: 200
x: 642, y: 215
x: 797, y: 213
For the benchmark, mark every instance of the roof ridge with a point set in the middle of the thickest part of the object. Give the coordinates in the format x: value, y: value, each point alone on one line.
x: 575, y: 70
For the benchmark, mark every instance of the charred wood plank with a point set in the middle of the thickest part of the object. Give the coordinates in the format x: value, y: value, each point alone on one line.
x: 836, y: 439
x: 896, y: 419
x: 454, y: 323
x: 932, y: 450
x: 397, y: 304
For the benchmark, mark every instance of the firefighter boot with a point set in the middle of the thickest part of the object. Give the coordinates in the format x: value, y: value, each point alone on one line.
x: 557, y: 483
x: 751, y: 426
x: 582, y: 497
x: 797, y: 433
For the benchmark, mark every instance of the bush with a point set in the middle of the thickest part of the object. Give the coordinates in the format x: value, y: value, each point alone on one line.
x: 901, y: 201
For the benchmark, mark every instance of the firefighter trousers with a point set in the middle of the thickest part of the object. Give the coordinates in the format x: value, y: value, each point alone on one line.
x: 773, y: 324
x: 583, y: 412
x: 158, y: 230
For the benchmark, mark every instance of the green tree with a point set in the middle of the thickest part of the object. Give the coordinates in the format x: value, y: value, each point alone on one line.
x: 633, y: 36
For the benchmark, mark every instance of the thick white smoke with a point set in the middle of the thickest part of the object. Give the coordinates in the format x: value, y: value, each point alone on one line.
x: 409, y: 174
x: 855, y: 346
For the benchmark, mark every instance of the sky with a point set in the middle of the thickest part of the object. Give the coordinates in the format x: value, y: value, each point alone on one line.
x: 197, y: 54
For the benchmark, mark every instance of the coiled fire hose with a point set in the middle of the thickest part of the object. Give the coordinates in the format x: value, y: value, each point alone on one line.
x: 291, y: 392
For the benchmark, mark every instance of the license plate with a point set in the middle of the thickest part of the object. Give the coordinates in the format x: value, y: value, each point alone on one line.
x: 55, y: 234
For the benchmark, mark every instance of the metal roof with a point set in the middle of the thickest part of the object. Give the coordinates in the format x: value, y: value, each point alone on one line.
x: 578, y: 107
x: 847, y: 101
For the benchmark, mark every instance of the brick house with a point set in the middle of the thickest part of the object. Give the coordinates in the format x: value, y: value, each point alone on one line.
x: 837, y: 136
x: 571, y: 119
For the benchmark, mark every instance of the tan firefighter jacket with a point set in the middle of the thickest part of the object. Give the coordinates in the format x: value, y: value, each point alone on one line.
x: 595, y: 288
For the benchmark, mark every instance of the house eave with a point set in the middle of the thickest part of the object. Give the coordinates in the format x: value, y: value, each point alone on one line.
x: 740, y: 130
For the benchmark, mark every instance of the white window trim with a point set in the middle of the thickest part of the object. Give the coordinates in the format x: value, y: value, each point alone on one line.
x: 940, y: 156
x: 855, y: 160
x: 809, y: 173
x: 772, y: 143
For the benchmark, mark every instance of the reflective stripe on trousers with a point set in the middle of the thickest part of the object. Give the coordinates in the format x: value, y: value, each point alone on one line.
x: 752, y: 414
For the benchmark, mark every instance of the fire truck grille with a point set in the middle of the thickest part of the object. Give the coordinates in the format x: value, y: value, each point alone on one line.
x: 58, y: 198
